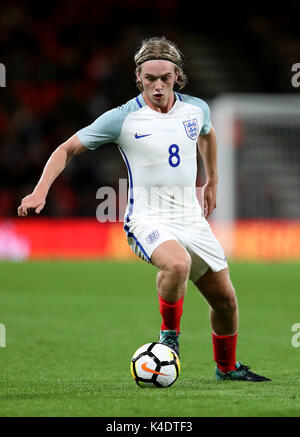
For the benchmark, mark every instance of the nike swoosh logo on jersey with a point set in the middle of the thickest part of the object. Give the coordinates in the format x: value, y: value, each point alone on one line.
x: 137, y: 136
x: 144, y: 367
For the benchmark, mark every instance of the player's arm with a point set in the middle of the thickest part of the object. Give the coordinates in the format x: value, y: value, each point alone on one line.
x: 54, y: 166
x: 207, y: 145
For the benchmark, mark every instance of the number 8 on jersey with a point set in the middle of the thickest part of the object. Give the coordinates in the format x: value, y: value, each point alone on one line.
x: 174, y: 158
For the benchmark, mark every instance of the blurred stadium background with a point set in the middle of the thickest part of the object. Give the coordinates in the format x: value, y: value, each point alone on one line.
x: 66, y: 63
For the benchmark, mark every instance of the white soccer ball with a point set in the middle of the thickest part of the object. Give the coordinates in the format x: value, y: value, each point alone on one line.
x: 155, y: 365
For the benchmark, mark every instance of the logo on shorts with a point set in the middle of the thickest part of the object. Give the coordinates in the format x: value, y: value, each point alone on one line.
x: 152, y: 237
x: 192, y: 128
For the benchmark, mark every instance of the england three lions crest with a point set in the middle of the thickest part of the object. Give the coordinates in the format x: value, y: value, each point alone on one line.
x: 152, y: 237
x: 192, y: 128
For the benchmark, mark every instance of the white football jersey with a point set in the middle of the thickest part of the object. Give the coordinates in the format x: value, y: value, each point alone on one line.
x: 159, y: 150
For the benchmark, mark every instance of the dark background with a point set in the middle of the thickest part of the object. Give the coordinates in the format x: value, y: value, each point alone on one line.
x: 68, y: 62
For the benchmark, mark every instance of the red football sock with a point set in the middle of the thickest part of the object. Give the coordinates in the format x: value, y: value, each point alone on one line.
x: 224, y: 349
x: 171, y: 314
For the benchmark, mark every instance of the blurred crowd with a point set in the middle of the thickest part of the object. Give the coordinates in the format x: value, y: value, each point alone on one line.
x: 68, y: 62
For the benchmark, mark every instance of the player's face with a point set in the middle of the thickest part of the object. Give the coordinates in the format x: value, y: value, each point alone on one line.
x: 158, y: 78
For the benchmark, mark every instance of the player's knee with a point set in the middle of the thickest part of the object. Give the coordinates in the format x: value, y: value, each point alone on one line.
x: 227, y: 303
x: 231, y: 303
x: 179, y: 267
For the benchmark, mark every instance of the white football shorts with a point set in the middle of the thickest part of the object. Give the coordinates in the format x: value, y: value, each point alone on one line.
x: 197, y: 238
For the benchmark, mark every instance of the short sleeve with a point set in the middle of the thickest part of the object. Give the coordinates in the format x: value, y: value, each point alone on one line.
x: 105, y: 129
x: 204, y: 108
x: 206, y: 122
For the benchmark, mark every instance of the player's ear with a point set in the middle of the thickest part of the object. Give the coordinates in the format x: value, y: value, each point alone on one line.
x: 176, y: 74
x: 138, y: 80
x: 137, y: 74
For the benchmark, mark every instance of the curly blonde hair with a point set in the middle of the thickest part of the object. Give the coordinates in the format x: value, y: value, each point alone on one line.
x: 161, y: 48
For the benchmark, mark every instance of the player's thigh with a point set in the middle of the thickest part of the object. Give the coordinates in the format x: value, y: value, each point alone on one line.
x: 144, y: 237
x: 171, y: 255
x: 205, y: 250
x: 217, y: 288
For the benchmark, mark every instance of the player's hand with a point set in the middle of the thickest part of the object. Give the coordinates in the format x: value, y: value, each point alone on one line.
x: 35, y: 201
x: 209, y: 198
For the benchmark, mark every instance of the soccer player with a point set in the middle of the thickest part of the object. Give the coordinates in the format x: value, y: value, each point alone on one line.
x: 157, y: 133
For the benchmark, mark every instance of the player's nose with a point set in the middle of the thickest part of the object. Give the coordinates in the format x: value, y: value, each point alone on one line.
x: 158, y: 85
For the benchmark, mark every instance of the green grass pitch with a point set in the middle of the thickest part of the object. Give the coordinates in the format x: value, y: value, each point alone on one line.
x: 72, y: 327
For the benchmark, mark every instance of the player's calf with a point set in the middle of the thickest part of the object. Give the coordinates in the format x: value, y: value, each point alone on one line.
x: 224, y: 314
